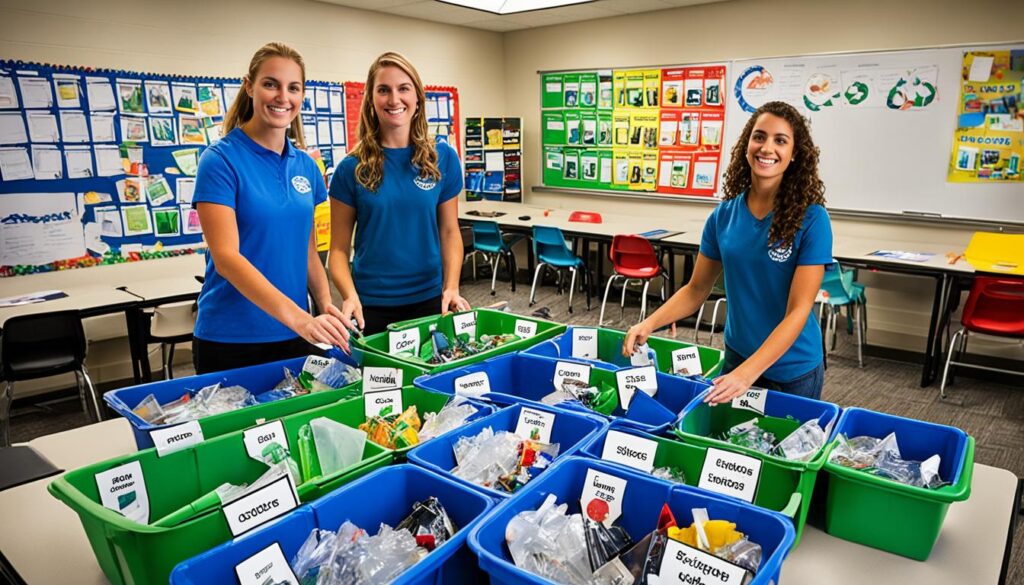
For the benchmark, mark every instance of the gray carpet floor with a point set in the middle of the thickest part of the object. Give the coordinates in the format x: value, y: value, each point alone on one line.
x: 992, y: 413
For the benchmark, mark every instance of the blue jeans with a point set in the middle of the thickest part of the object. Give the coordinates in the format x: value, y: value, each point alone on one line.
x: 808, y: 385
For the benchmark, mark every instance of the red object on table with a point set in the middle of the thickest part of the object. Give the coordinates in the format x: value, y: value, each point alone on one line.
x: 585, y: 217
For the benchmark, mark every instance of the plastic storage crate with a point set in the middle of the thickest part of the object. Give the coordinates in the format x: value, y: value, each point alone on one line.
x: 889, y: 515
x: 570, y: 430
x: 526, y: 379
x: 488, y: 322
x: 609, y: 351
x: 642, y: 503
x: 384, y: 496
x: 256, y: 379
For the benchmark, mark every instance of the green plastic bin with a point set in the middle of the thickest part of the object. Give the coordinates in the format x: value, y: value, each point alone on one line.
x: 609, y: 350
x: 778, y: 488
x: 133, y: 553
x: 889, y: 515
x: 488, y: 322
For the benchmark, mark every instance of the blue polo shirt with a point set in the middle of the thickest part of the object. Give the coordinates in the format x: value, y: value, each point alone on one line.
x: 397, y: 258
x: 273, y: 196
x: 758, y: 279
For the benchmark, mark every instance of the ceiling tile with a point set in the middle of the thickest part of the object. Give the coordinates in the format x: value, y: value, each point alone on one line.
x: 632, y: 6
x: 496, y: 24
x: 437, y: 12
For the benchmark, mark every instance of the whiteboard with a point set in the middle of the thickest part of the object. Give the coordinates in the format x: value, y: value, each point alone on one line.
x: 874, y: 158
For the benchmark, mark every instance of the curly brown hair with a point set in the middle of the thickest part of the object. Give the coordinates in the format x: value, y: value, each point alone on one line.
x: 801, y: 187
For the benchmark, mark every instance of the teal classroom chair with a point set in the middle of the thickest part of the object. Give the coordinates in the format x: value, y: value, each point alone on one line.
x: 494, y: 246
x: 838, y: 291
x: 552, y: 252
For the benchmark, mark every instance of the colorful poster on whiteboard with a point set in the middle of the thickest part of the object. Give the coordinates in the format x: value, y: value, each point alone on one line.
x: 988, y: 143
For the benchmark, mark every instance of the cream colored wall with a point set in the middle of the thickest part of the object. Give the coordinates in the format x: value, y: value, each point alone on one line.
x: 899, y: 306
x: 217, y: 38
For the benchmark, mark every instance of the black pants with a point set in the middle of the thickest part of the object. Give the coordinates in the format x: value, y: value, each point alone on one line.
x: 213, y: 356
x: 378, y: 318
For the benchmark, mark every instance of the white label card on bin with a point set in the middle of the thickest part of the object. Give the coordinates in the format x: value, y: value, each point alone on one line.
x: 404, y: 340
x: 259, y: 438
x: 570, y: 371
x: 602, y: 495
x: 266, y: 566
x: 729, y: 473
x: 752, y: 399
x: 535, y: 425
x: 473, y: 385
x: 686, y: 361
x: 170, y: 439
x: 315, y: 364
x: 632, y: 379
x: 525, y: 328
x: 377, y: 378
x: 631, y: 450
x: 465, y: 323
x: 379, y: 400
x: 123, y: 490
x: 254, y: 509
x: 584, y: 343
x: 686, y: 565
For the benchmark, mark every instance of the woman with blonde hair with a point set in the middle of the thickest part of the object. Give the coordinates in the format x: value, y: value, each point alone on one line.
x: 401, y: 190
x: 773, y: 238
x: 255, y: 193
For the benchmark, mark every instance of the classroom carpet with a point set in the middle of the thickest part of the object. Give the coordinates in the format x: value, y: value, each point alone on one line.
x: 992, y: 413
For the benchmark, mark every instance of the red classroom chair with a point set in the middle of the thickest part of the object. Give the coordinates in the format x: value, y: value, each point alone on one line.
x: 633, y: 260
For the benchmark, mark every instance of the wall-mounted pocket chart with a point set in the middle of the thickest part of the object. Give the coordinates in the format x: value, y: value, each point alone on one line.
x: 98, y: 166
x: 493, y: 159
x: 656, y: 130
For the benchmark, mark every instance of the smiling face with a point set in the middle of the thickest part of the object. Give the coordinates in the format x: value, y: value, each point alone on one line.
x: 394, y: 98
x: 276, y: 93
x: 770, y: 148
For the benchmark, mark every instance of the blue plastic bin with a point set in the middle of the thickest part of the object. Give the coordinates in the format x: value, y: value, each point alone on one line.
x: 387, y: 496
x: 609, y: 351
x: 570, y: 431
x: 888, y: 515
x: 526, y: 379
x: 643, y: 499
x: 257, y: 379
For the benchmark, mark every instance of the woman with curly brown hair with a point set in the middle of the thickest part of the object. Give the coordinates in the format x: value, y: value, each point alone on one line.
x: 402, y: 191
x: 772, y: 236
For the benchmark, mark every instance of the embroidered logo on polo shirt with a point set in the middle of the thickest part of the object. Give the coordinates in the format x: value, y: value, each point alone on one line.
x: 425, y: 184
x: 780, y: 253
x: 301, y: 184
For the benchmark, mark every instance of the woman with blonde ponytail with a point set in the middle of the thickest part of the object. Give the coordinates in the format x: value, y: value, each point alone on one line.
x: 255, y: 192
x: 402, y: 191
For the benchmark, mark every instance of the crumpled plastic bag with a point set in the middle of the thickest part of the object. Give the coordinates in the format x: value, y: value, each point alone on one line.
x: 551, y: 544
x: 336, y: 375
x: 452, y: 416
x: 803, y: 443
x: 338, y: 446
x: 883, y: 458
x: 748, y: 434
x: 359, y: 559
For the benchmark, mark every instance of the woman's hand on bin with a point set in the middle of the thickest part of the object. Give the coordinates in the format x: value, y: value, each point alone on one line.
x: 637, y: 335
x: 324, y: 328
x: 352, y: 313
x: 452, y: 301
x: 728, y: 386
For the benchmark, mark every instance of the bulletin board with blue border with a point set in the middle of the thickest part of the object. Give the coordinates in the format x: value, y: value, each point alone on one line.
x: 98, y: 166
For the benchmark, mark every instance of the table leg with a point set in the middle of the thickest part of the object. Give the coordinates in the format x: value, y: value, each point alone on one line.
x: 928, y: 371
x: 131, y: 318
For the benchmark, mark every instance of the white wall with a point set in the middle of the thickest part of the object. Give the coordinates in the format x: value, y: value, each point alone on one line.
x: 899, y: 306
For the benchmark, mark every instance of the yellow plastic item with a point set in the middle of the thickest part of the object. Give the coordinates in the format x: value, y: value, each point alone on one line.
x: 719, y: 533
x: 996, y: 253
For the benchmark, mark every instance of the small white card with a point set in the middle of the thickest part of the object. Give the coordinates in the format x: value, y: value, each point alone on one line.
x: 584, y: 343
x: 632, y: 379
x: 732, y: 474
x: 685, y: 564
x: 315, y: 364
x: 266, y: 566
x: 525, y: 329
x: 570, y: 371
x: 123, y: 490
x: 261, y: 506
x: 686, y: 361
x: 472, y: 385
x: 535, y: 425
x: 752, y: 399
x: 405, y: 340
x: 465, y: 323
x: 170, y: 439
x: 602, y: 495
x: 377, y: 378
x: 636, y: 452
x: 376, y: 401
x: 258, y: 438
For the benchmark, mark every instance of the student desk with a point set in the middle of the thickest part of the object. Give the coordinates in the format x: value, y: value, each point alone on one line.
x: 89, y: 300
x: 149, y: 294
x: 42, y: 539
